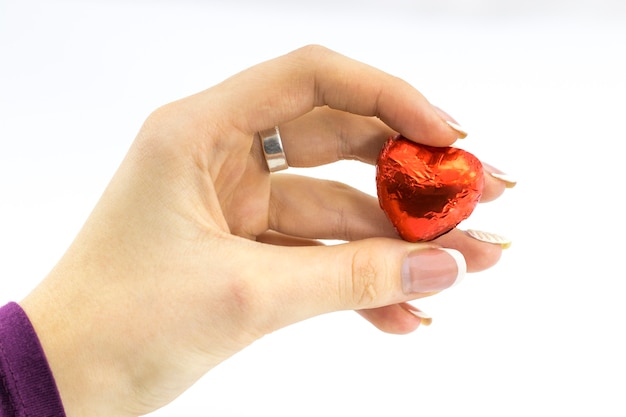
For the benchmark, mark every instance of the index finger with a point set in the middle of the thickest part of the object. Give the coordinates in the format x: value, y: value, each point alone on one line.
x: 284, y: 88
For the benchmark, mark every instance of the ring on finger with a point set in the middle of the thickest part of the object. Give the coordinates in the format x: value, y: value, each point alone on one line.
x: 273, y: 149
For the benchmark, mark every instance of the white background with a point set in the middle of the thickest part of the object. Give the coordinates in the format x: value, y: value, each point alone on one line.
x: 540, y: 87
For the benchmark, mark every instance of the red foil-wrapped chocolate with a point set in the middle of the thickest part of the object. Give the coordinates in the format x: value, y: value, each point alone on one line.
x: 424, y: 190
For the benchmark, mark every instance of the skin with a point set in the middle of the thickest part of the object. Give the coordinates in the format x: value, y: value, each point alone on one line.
x: 195, y: 251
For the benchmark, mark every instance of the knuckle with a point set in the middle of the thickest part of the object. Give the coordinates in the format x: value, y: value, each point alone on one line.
x: 243, y: 309
x: 338, y: 215
x: 241, y: 300
x: 157, y: 137
x: 171, y: 133
x: 312, y: 51
x: 364, y: 286
x: 343, y: 224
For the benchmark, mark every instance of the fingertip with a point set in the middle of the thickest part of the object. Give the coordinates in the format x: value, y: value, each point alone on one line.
x: 425, y: 319
x: 436, y: 129
x: 489, y: 237
x: 392, y: 319
x: 479, y: 255
x: 460, y: 131
x: 492, y: 189
x: 505, y: 179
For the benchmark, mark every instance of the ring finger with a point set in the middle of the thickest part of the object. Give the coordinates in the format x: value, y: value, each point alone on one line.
x: 310, y: 208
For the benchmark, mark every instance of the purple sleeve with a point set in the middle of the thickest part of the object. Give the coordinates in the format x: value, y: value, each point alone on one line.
x: 27, y: 387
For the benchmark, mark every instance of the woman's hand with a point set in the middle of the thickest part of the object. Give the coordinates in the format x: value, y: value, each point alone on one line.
x: 194, y: 250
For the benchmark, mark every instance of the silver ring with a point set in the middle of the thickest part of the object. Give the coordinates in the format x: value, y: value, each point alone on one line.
x: 273, y: 149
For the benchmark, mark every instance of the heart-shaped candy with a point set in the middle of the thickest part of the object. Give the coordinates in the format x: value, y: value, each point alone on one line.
x: 424, y: 190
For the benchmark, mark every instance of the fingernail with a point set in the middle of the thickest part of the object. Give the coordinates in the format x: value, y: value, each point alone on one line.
x: 462, y: 133
x: 425, y: 319
x: 508, y: 181
x: 434, y: 269
x: 489, y: 237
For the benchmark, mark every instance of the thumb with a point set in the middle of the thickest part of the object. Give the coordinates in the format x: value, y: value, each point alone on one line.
x: 357, y: 275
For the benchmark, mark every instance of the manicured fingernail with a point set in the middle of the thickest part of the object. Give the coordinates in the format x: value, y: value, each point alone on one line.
x: 458, y: 129
x: 490, y: 238
x: 433, y: 269
x: 461, y: 133
x: 508, y: 181
x: 425, y: 319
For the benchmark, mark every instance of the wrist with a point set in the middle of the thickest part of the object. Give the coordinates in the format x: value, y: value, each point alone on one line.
x: 88, y: 375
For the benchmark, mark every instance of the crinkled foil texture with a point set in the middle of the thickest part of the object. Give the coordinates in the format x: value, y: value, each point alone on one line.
x: 426, y: 191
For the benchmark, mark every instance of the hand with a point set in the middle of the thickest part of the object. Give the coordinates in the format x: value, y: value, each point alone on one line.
x: 194, y: 250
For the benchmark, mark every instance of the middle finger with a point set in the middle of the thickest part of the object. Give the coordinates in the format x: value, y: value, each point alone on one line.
x: 325, y: 135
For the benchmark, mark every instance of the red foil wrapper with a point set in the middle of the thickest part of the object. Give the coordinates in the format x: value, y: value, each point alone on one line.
x: 424, y: 190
